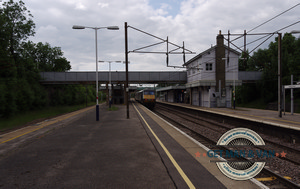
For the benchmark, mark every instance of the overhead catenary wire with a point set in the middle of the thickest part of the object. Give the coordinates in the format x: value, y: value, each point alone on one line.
x: 269, y: 35
x: 267, y: 21
x: 179, y: 47
x: 184, y: 50
x: 257, y: 40
x: 273, y: 18
x: 261, y: 43
x: 287, y: 26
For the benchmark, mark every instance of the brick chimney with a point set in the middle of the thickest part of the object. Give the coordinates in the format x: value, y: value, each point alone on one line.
x: 220, y: 64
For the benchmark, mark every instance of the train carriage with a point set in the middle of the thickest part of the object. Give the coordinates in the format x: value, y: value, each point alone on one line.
x: 146, y: 97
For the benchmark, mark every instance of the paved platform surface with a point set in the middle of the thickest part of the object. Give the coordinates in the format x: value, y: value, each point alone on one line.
x: 184, y: 150
x: 264, y: 116
x: 78, y: 152
x: 112, y: 153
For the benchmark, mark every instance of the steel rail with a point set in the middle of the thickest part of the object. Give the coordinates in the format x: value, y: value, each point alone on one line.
x: 182, y: 114
x: 283, y: 180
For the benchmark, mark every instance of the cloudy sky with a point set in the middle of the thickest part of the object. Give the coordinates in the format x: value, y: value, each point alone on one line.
x: 196, y: 22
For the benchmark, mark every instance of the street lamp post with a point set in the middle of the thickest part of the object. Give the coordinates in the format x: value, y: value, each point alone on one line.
x: 96, y: 28
x: 280, y: 96
x: 109, y: 90
x: 279, y: 64
x: 292, y: 95
x: 279, y: 77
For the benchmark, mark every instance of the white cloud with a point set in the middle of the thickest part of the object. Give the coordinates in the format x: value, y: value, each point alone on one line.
x: 48, y: 32
x: 197, y: 23
x: 102, y: 5
x: 80, y: 6
x: 47, y: 29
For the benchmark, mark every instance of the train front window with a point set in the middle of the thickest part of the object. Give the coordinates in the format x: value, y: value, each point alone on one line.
x: 149, y: 93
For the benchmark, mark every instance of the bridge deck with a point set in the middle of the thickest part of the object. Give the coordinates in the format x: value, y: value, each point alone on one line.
x: 134, y: 77
x: 116, y: 77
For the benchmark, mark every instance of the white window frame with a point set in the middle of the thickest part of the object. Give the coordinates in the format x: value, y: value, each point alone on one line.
x: 209, y: 67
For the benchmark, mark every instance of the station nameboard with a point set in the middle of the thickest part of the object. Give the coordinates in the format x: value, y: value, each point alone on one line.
x: 291, y: 86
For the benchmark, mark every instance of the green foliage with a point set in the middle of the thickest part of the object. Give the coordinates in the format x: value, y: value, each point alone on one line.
x: 266, y: 60
x: 61, y: 65
x: 70, y: 94
x: 21, y: 61
x: 2, y: 97
x: 17, y: 24
x: 113, y: 108
x: 25, y: 95
x: 40, y: 97
x: 43, y: 57
x: 28, y: 116
x: 10, y: 106
x: 246, y: 93
x: 243, y: 61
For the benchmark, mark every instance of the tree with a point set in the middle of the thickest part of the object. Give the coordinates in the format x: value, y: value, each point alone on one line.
x: 243, y: 61
x: 21, y: 61
x: 44, y: 57
x: 266, y: 60
x: 61, y: 65
x: 17, y: 24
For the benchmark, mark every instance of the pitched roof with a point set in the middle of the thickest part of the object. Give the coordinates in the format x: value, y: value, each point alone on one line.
x: 206, y: 51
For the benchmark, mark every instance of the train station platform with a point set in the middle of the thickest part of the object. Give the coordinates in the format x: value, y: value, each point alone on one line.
x: 79, y: 152
x: 257, y: 115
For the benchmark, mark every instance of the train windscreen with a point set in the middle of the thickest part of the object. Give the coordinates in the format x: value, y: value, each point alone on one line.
x: 148, y: 92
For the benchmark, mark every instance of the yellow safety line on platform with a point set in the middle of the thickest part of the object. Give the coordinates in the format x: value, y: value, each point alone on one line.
x: 21, y: 135
x: 63, y: 117
x: 271, y: 178
x: 183, y: 175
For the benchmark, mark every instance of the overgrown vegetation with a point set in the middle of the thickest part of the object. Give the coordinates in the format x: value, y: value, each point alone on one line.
x: 28, y: 116
x: 266, y: 60
x: 21, y: 61
x: 113, y: 108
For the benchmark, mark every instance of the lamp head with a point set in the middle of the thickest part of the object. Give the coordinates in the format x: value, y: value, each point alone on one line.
x: 76, y: 27
x: 295, y: 31
x: 113, y: 27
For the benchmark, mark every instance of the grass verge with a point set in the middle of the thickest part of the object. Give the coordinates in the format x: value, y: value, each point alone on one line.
x: 37, y: 115
x: 257, y: 104
x: 113, y: 108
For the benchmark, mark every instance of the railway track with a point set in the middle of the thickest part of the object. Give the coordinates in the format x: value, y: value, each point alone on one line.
x: 222, y: 128
x: 208, y: 131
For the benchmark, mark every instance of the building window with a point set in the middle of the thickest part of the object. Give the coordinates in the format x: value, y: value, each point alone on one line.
x: 209, y: 67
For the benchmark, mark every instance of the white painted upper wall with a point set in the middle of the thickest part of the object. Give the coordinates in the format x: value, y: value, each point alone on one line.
x: 204, y: 68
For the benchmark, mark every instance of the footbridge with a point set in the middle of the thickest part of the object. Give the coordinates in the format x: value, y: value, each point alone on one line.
x: 134, y: 77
